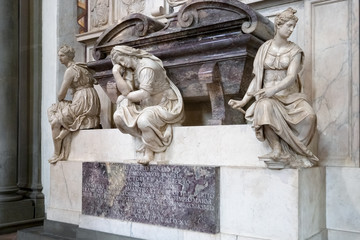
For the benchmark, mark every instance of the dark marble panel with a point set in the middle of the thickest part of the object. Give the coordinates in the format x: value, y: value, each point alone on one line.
x: 185, y: 197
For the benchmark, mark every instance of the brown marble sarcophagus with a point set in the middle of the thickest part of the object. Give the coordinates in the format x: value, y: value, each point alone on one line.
x: 207, y: 48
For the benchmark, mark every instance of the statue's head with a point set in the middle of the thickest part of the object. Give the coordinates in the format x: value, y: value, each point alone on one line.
x: 131, y: 54
x: 284, y: 17
x: 124, y: 51
x: 68, y: 51
x: 124, y: 55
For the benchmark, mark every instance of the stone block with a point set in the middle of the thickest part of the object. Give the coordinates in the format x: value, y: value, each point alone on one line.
x: 182, y: 197
x: 343, y: 199
x: 268, y: 204
x: 65, y: 192
x: 234, y: 145
x: 108, y: 145
x: 65, y: 185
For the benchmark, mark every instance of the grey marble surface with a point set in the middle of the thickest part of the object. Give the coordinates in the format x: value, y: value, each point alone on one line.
x: 174, y: 196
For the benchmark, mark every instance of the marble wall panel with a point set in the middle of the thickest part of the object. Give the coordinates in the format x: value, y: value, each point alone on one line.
x: 332, y: 89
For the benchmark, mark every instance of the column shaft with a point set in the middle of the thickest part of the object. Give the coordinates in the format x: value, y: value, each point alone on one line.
x: 8, y: 100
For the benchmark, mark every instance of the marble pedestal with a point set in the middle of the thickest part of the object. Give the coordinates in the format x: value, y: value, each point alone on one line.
x: 255, y: 202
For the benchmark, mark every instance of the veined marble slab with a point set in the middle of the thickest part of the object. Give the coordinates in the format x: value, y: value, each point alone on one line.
x: 185, y: 197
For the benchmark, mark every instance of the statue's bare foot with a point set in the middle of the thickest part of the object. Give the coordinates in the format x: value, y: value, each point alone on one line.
x: 274, y: 155
x: 284, y: 156
x: 148, y: 157
x: 54, y: 158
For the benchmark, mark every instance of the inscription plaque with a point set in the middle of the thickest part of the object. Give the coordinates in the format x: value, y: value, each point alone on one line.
x: 185, y: 197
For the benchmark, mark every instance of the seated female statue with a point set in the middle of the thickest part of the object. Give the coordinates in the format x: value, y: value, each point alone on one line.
x: 80, y: 113
x: 281, y: 113
x: 149, y: 103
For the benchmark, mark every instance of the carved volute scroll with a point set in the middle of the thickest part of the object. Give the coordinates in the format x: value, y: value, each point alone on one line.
x: 190, y: 16
x: 134, y: 26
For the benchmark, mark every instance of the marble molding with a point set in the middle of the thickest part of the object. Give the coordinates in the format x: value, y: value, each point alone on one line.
x: 169, y: 195
x: 152, y: 232
x: 336, y: 235
x: 335, y: 85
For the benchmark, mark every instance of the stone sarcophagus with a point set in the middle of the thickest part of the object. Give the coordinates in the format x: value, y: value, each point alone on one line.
x: 207, y: 48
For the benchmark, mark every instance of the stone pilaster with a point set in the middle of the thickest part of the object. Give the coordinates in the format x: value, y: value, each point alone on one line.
x: 8, y: 100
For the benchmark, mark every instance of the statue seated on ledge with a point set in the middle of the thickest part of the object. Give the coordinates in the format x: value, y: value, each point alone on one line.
x: 82, y: 112
x: 281, y: 113
x: 149, y: 104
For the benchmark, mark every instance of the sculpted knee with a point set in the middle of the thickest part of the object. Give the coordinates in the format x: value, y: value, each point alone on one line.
x: 143, y: 121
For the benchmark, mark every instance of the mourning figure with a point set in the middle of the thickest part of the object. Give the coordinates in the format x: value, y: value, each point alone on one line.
x: 149, y: 104
x: 281, y: 113
x: 82, y: 112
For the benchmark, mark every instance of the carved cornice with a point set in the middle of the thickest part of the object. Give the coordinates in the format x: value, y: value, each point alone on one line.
x: 196, y: 13
x: 195, y: 18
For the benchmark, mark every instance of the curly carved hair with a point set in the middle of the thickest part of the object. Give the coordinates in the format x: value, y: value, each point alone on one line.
x: 68, y: 51
x: 285, y: 16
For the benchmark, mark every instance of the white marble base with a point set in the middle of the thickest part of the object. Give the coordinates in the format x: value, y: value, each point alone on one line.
x: 65, y: 192
x: 234, y: 145
x: 255, y: 202
x: 268, y: 204
x: 343, y: 199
